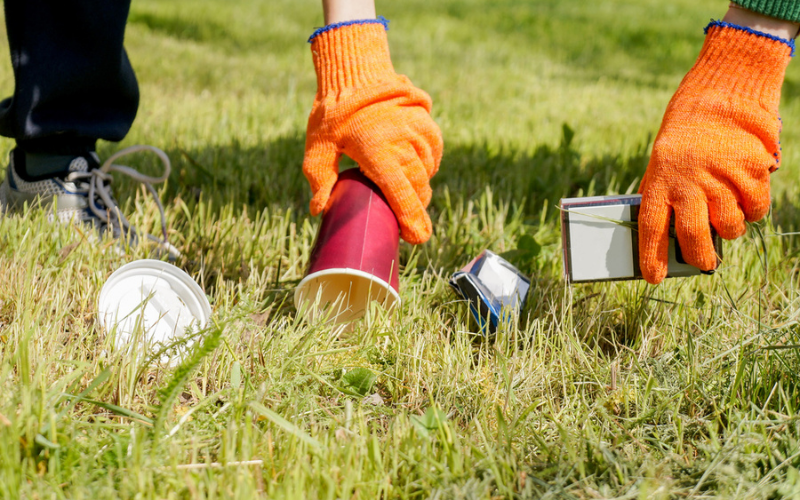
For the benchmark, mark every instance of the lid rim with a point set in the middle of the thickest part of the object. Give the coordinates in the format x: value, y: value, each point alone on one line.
x: 185, y: 288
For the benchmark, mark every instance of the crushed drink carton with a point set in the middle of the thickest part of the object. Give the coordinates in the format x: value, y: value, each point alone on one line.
x: 597, y: 247
x: 495, y: 289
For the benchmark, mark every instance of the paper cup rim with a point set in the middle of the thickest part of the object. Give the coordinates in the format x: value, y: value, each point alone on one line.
x: 157, y: 268
x: 347, y: 271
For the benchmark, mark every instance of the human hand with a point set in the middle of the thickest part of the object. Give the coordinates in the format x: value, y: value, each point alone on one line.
x: 379, y: 119
x: 716, y: 148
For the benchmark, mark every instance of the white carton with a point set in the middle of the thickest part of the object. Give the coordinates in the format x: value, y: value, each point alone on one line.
x: 598, y: 248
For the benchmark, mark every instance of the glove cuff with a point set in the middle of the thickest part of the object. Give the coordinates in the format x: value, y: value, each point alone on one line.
x: 351, y: 55
x: 743, y: 62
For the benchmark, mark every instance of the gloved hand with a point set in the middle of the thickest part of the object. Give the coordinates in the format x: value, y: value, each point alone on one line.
x: 717, y: 146
x: 376, y: 117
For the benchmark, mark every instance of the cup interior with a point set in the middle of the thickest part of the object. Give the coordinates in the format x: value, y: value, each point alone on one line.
x: 343, y: 295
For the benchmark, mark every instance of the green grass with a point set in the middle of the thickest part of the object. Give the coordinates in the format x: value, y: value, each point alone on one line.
x: 619, y: 390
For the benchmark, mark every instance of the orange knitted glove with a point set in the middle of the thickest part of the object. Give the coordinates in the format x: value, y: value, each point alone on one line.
x: 376, y: 117
x: 717, y: 145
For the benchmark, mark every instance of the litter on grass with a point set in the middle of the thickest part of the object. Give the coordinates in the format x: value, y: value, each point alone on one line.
x: 152, y: 304
x: 601, y: 241
x: 495, y: 289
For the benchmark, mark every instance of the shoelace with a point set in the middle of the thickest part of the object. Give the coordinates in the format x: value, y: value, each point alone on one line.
x: 99, y: 179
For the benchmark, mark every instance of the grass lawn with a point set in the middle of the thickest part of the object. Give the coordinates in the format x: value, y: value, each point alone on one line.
x: 620, y: 390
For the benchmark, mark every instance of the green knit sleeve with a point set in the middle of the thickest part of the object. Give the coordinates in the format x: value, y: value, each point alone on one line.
x: 788, y: 10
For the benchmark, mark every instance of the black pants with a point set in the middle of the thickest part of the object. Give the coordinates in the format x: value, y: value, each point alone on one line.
x: 73, y: 81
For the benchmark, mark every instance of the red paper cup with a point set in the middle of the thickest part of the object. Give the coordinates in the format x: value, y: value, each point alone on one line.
x: 355, y: 258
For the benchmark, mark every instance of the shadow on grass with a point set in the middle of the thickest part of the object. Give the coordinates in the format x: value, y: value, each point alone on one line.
x: 270, y: 175
x: 234, y: 178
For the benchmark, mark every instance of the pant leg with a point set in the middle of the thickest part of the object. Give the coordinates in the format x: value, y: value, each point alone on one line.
x: 73, y: 81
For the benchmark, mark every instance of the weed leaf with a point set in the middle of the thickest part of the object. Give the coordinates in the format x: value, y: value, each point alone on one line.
x: 359, y: 381
x: 169, y: 393
x: 430, y: 421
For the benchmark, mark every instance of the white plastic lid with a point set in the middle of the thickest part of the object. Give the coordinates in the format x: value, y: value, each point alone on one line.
x: 160, y: 297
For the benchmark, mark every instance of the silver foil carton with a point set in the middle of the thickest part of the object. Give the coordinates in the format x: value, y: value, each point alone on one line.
x: 495, y: 289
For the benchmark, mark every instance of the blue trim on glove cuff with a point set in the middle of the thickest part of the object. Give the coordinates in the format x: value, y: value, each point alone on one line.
x: 379, y: 20
x: 723, y: 24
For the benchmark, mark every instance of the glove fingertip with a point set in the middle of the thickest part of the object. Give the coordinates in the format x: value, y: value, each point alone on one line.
x: 321, y: 199
x: 729, y: 226
x: 700, y: 254
x: 731, y: 231
x: 654, y: 272
x: 653, y: 220
x: 709, y: 261
x: 416, y: 231
x: 756, y: 211
x: 315, y: 207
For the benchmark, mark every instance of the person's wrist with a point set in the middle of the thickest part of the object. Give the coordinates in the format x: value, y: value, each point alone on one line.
x: 342, y: 11
x: 739, y: 61
x: 740, y: 16
x: 351, y: 54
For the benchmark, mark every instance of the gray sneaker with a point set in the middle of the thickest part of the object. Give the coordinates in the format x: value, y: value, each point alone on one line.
x: 82, y: 195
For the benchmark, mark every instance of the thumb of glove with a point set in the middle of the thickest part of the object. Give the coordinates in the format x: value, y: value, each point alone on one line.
x: 321, y: 168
